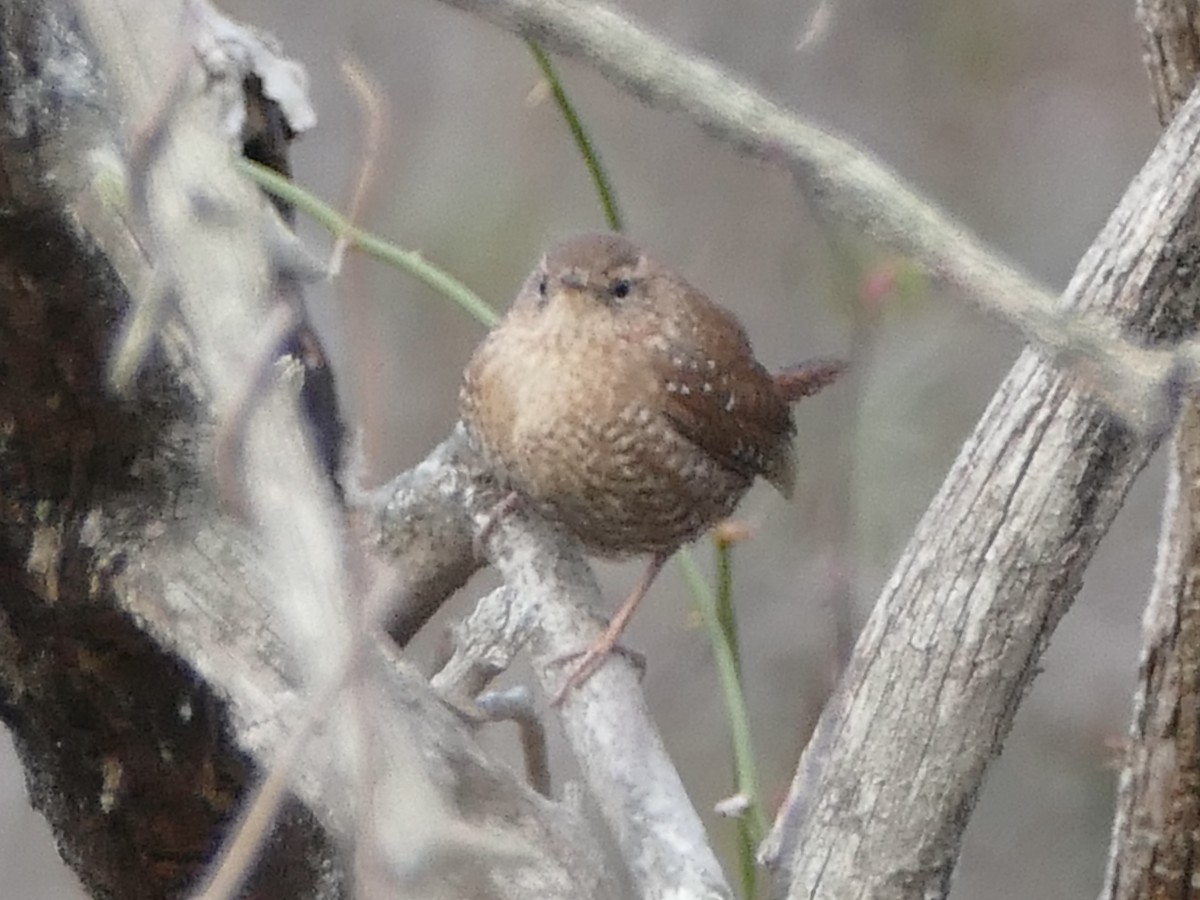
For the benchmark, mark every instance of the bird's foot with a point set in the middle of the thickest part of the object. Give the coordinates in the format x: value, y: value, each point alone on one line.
x: 511, y: 502
x: 590, y: 661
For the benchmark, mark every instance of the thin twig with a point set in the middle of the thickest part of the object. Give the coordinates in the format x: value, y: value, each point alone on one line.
x: 370, y: 103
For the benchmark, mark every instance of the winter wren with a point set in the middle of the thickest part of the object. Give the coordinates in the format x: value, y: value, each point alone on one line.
x: 628, y: 407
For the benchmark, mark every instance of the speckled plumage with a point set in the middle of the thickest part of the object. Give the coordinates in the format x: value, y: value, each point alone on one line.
x: 623, y: 402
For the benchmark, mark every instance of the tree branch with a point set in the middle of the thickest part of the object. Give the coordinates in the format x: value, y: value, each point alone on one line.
x: 547, y: 610
x: 1154, y: 840
x: 953, y: 642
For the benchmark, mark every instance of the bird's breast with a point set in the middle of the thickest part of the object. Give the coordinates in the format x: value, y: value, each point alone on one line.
x: 582, y: 433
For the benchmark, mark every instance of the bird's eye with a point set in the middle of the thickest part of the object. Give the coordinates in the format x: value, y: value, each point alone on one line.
x: 542, y: 286
x: 621, y: 288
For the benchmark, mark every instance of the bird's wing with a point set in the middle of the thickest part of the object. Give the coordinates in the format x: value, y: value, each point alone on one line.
x: 720, y: 398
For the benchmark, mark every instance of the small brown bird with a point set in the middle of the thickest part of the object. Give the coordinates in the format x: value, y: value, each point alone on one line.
x: 628, y: 407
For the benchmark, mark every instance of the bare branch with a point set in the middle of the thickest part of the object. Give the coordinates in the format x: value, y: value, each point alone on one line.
x: 546, y: 609
x: 954, y: 640
x: 420, y: 523
x: 1153, y: 847
x: 1171, y: 45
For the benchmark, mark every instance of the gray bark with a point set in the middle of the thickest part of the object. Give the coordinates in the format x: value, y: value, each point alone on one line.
x: 1154, y: 839
x: 173, y: 636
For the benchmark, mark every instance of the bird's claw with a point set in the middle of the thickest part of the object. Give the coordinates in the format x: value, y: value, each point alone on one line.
x: 592, y: 659
x: 511, y: 501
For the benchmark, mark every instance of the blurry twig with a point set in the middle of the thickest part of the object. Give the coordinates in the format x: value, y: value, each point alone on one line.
x: 154, y: 304
x: 230, y: 441
x: 370, y: 102
x: 239, y: 853
x: 818, y: 24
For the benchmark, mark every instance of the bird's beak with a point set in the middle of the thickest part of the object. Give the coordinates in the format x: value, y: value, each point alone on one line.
x: 573, y: 278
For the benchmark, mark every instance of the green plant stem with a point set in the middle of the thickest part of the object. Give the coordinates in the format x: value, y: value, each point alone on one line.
x: 749, y: 833
x: 405, y: 260
x: 608, y: 197
x: 753, y: 825
x: 726, y: 618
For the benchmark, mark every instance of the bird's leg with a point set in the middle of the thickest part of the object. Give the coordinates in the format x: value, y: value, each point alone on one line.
x: 595, y: 655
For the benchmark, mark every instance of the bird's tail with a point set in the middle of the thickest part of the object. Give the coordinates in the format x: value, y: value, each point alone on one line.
x: 806, y: 378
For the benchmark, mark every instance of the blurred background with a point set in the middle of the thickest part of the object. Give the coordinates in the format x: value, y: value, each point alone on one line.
x: 1023, y: 119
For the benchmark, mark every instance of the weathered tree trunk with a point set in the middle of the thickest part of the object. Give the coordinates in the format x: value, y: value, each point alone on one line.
x: 159, y: 655
x: 128, y: 752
